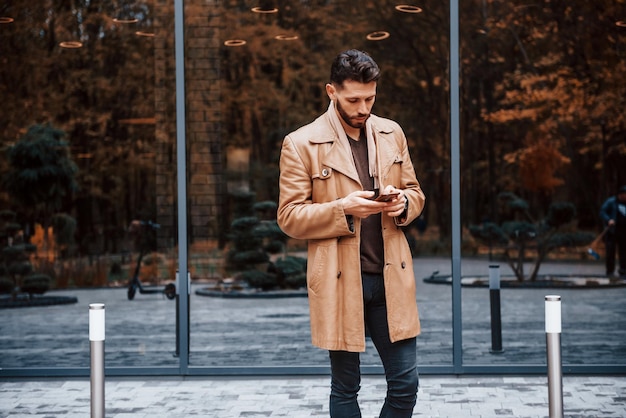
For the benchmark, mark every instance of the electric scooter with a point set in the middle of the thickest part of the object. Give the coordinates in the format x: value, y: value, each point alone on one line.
x: 144, y: 229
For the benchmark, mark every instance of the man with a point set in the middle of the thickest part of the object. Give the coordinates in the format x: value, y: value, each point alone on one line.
x: 360, y: 271
x: 613, y: 214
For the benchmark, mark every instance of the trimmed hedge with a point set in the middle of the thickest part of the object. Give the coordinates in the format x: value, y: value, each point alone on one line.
x: 36, y: 284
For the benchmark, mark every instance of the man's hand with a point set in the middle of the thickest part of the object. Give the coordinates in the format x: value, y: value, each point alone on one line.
x: 361, y: 204
x: 394, y: 207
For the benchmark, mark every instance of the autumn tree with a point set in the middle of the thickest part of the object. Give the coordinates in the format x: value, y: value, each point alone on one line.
x: 553, y: 117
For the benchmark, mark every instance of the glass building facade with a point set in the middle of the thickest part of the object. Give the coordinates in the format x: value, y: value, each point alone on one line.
x: 135, y: 134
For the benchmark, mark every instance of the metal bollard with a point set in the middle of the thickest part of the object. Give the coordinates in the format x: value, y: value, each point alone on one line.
x: 494, y: 299
x: 553, y: 346
x: 178, y: 287
x: 96, y: 341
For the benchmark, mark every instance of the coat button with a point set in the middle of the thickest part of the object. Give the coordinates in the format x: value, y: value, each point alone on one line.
x: 403, y: 264
x: 338, y: 274
x: 325, y: 172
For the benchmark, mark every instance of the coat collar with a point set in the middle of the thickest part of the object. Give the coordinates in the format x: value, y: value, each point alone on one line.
x: 340, y: 159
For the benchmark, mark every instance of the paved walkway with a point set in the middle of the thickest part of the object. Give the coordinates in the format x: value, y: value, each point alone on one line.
x: 440, y: 397
x: 231, y: 333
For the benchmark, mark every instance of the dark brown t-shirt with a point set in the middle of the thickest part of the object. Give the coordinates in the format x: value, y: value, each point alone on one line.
x: 372, y: 256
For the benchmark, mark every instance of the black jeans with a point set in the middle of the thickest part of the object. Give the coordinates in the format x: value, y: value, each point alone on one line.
x: 399, y: 361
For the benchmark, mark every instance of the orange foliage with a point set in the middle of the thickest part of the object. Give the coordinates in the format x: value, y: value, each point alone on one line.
x: 45, y: 248
x: 538, y: 163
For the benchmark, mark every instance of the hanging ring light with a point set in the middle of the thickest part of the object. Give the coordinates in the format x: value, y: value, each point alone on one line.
x: 125, y: 21
x: 234, y: 42
x: 264, y: 11
x: 71, y: 44
x: 377, y: 36
x: 286, y: 37
x: 145, y: 34
x: 407, y: 8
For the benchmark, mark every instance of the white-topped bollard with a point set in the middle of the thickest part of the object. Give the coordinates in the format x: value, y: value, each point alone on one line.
x: 553, y: 347
x: 96, y: 343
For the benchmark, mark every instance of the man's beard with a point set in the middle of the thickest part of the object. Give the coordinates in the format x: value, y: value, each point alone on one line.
x: 348, y: 119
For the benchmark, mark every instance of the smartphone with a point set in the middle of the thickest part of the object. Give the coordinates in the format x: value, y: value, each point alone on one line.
x: 386, y: 197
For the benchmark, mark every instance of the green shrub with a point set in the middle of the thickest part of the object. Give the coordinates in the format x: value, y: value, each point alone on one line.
x: 13, y: 252
x: 290, y: 271
x: 36, y: 284
x: 265, y: 206
x: 259, y: 279
x: 274, y: 247
x: 247, y: 258
x: 20, y: 268
x: 296, y: 281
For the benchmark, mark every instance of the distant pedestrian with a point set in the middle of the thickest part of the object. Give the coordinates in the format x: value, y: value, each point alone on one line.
x: 613, y: 214
x: 347, y: 185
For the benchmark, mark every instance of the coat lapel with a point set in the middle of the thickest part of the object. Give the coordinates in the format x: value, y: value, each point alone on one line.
x: 341, y: 161
x: 335, y: 154
x: 339, y: 158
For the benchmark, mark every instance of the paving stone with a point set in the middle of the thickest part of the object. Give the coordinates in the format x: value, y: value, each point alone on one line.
x: 441, y: 396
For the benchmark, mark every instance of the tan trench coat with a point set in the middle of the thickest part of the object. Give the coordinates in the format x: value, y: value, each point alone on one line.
x: 315, y: 172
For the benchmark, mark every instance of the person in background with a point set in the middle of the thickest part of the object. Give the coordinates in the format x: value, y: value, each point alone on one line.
x: 613, y: 214
x: 359, y: 270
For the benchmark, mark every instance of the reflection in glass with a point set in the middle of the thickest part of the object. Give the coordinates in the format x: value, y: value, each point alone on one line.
x: 79, y: 109
x: 542, y: 149
x: 269, y: 87
x: 542, y: 99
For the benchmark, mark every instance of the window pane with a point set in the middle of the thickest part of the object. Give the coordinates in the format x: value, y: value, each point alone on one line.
x: 255, y: 73
x: 543, y: 147
x: 83, y: 200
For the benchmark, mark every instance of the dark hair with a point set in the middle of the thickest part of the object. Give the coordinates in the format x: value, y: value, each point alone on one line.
x: 353, y: 65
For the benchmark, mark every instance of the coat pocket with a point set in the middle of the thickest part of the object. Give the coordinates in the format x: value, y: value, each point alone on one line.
x: 322, y: 267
